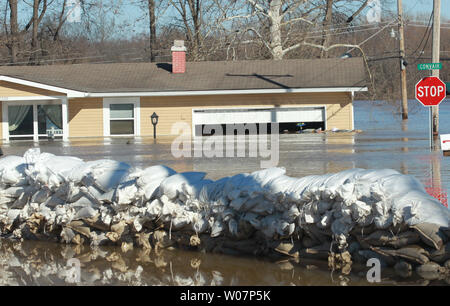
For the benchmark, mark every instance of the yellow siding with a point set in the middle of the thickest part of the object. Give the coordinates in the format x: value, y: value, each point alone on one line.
x: 179, y: 109
x: 1, y: 116
x: 86, y: 117
x: 8, y: 89
x: 86, y: 114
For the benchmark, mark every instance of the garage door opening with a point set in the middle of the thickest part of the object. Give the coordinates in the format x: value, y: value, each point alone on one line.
x: 283, y: 128
x: 250, y: 121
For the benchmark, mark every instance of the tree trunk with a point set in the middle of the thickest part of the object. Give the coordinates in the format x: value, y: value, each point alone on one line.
x: 275, y: 29
x: 14, y: 31
x: 195, y: 9
x: 151, y: 12
x: 34, y: 36
x: 326, y: 23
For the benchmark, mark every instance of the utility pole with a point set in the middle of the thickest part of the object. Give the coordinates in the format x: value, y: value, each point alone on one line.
x: 435, y: 144
x: 401, y: 41
x: 435, y: 57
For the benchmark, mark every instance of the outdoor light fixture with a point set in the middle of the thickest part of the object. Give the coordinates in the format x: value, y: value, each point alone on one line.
x: 154, y: 117
x: 393, y: 34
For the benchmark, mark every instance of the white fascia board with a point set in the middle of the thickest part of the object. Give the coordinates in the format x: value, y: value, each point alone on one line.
x: 68, y: 92
x: 224, y: 92
x: 79, y: 94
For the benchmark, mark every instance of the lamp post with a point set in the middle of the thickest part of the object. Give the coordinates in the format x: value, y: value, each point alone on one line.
x: 154, y: 117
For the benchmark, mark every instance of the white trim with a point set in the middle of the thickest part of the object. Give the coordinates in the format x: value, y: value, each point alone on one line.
x: 352, y: 114
x: 80, y: 94
x: 5, y: 125
x: 224, y: 92
x: 65, y: 120
x: 31, y: 98
x: 323, y: 106
x: 68, y: 92
x: 136, y: 101
x: 35, y: 123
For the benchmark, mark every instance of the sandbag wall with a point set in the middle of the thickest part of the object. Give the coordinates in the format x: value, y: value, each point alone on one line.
x: 345, y: 217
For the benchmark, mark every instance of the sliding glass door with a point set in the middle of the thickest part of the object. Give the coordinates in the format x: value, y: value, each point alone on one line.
x: 34, y: 120
x: 20, y: 121
x: 49, y: 120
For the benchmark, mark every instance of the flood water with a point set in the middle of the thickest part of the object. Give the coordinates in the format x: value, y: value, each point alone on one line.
x: 385, y: 142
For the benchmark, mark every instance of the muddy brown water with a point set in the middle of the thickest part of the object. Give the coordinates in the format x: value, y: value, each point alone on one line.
x: 385, y: 142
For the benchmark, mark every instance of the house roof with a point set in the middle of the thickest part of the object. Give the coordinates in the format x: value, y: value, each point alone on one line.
x: 199, y: 76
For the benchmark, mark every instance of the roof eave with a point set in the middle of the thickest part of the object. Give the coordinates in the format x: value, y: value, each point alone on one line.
x: 225, y: 92
x: 69, y: 92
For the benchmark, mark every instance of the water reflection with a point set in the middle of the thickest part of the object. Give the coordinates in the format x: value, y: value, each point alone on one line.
x: 42, y: 263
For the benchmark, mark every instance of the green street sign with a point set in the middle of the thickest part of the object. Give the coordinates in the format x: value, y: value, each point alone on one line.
x: 429, y: 66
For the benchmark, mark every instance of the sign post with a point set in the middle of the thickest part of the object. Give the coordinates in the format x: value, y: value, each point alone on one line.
x: 430, y: 91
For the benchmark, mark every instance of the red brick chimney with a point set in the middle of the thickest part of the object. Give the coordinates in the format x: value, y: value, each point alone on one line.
x: 178, y: 57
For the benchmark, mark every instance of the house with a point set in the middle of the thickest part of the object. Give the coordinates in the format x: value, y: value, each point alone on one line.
x: 104, y: 100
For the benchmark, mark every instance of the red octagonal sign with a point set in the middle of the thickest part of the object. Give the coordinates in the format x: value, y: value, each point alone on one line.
x: 430, y: 91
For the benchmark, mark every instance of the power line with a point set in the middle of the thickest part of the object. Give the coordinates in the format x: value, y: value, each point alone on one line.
x: 425, y: 34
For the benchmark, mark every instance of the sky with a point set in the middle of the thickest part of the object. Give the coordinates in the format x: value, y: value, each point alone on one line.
x: 426, y: 6
x: 410, y: 7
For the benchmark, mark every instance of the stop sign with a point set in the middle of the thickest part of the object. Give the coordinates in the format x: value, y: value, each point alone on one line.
x: 430, y: 91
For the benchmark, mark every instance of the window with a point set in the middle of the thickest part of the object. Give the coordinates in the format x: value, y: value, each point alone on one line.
x: 121, y: 118
x: 50, y: 119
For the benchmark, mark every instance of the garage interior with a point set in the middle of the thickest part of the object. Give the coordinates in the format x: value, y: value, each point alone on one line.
x: 249, y: 120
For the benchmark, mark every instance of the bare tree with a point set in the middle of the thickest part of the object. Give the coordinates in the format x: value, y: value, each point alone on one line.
x: 38, y: 14
x: 13, y: 33
x: 277, y: 23
x: 152, y: 23
x: 190, y: 12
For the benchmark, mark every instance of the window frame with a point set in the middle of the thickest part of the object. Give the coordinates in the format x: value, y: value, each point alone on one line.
x: 107, y: 115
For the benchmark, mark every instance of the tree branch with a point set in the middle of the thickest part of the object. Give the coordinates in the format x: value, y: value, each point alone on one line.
x: 258, y: 7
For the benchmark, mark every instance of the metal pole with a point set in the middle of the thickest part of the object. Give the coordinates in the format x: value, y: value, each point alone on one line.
x: 430, y: 120
x: 402, y: 57
x: 436, y: 59
x: 154, y: 131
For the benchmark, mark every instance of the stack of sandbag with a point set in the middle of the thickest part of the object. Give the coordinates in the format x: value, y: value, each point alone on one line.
x: 348, y: 216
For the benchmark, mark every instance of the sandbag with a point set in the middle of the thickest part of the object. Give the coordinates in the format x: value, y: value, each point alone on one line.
x: 12, y: 170
x: 113, y: 198
x: 412, y: 253
x: 430, y: 234
x: 387, y: 238
x: 172, y: 185
x: 150, y: 174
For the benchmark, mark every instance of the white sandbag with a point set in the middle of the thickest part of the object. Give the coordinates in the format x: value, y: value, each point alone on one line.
x: 212, y: 192
x: 12, y: 192
x: 108, y: 174
x: 150, y: 174
x: 332, y: 185
x: 154, y: 209
x: 399, y: 184
x: 127, y: 194
x: 76, y: 175
x: 11, y: 161
x: 266, y: 175
x: 279, y: 186
x: 193, y: 190
x: 233, y: 184
x: 50, y: 170
x: 85, y: 212
x: 172, y: 185
x: 419, y: 207
x: 150, y: 190
x: 12, y: 170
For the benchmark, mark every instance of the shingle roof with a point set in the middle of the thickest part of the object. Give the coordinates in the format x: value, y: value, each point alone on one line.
x: 199, y: 76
